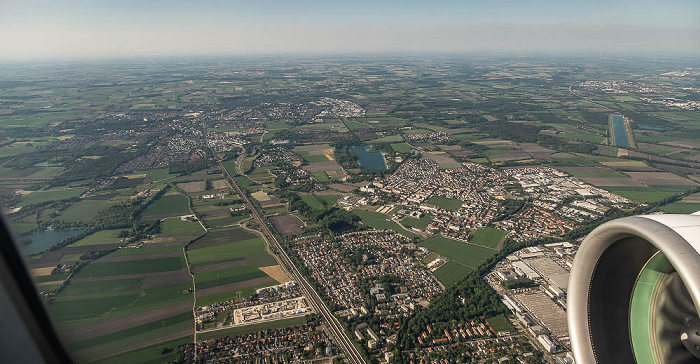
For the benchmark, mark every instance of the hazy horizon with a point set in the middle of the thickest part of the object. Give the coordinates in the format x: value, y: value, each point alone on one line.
x: 84, y: 29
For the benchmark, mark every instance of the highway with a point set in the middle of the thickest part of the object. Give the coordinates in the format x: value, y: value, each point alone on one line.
x: 337, y: 330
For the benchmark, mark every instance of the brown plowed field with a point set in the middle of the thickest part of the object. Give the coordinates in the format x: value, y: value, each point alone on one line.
x: 287, y: 225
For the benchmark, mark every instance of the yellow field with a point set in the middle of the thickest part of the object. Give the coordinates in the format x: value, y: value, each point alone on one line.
x: 38, y: 272
x: 276, y: 272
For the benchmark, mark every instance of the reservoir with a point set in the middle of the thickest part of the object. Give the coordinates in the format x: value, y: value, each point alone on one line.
x: 45, y: 239
x: 620, y: 138
x: 369, y: 159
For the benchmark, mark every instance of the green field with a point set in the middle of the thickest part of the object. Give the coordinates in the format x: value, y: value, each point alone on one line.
x: 388, y: 139
x: 500, y: 323
x: 445, y: 202
x: 321, y: 176
x: 378, y: 221
x: 94, y: 307
x: 84, y: 210
x: 99, y: 238
x: 159, y: 353
x: 230, y: 167
x: 682, y: 207
x: 225, y: 296
x: 91, y: 348
x: 227, y: 252
x: 421, y: 223
x: 111, y: 286
x: 225, y: 276
x: 170, y: 204
x: 311, y: 201
x: 94, y: 270
x: 451, y: 272
x: 648, y: 194
x: 50, y: 195
x: 488, y: 237
x: 176, y: 225
x: 145, y: 250
x: 469, y: 255
x: 63, y: 308
x: 430, y: 257
x: 401, y: 147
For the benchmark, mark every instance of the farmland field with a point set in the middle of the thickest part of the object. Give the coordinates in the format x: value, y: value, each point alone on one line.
x: 176, y: 225
x: 451, y: 272
x: 401, y: 147
x: 170, y: 204
x: 648, y: 194
x: 99, y: 238
x: 225, y: 276
x: 131, y: 267
x: 226, y: 252
x: 158, y: 353
x: 50, y: 195
x: 488, y: 237
x: 682, y: 207
x: 311, y: 201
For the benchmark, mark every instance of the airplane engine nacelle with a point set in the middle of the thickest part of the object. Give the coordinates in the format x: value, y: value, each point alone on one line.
x: 634, y: 292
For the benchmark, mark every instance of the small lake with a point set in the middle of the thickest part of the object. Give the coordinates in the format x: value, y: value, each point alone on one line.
x: 620, y: 137
x: 45, y: 239
x: 369, y: 159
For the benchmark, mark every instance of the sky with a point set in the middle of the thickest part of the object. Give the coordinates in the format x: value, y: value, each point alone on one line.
x: 39, y: 29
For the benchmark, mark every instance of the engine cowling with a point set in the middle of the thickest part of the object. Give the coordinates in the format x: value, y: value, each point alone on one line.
x: 634, y: 292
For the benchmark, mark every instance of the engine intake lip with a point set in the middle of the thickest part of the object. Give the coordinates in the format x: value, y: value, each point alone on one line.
x: 676, y: 236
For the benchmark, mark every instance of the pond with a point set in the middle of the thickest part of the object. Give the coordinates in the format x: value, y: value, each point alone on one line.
x: 44, y: 239
x: 369, y: 159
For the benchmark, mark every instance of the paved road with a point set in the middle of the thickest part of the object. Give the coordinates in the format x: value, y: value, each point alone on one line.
x: 337, y: 330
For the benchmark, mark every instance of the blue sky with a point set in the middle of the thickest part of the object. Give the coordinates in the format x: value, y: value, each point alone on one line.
x: 102, y: 28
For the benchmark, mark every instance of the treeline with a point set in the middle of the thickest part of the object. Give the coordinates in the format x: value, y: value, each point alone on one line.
x: 518, y: 283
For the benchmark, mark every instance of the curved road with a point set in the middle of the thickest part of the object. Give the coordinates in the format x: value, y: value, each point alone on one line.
x: 337, y: 330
